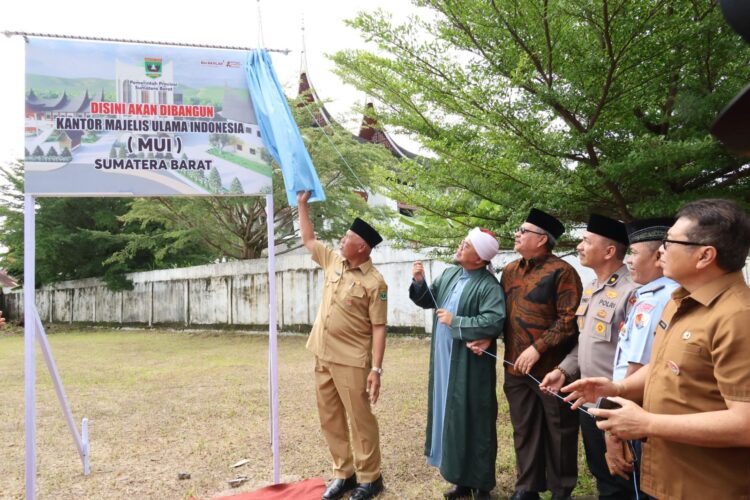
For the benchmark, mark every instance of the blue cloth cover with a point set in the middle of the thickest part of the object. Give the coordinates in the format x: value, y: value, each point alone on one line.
x: 279, y: 130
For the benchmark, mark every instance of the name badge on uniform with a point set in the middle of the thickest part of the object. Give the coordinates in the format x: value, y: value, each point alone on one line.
x: 642, y: 319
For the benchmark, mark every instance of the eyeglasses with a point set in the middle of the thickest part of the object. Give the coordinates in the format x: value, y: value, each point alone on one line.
x: 523, y: 230
x: 666, y: 242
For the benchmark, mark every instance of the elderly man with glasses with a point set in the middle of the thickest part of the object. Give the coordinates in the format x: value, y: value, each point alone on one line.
x: 542, y: 293
x: 695, y: 391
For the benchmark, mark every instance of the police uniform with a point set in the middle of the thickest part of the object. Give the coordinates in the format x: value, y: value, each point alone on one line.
x: 603, y: 310
x: 354, y: 300
x: 637, y: 334
x: 601, y: 314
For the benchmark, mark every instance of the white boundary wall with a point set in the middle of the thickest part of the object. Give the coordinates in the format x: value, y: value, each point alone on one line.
x: 234, y: 293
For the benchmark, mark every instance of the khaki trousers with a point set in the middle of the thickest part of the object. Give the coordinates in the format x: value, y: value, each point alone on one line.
x: 341, y: 392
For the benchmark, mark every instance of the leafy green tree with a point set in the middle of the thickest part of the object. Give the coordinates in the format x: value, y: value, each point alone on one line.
x: 78, y: 237
x: 214, y: 181
x: 235, y: 227
x: 235, y: 187
x: 573, y: 106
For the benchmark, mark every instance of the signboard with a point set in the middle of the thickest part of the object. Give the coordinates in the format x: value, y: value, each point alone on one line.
x: 124, y: 119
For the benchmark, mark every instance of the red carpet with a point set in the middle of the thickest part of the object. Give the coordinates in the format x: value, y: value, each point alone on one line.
x: 309, y: 489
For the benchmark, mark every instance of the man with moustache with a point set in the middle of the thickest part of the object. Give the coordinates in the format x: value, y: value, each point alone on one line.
x: 637, y: 334
x: 696, y: 388
x: 461, y: 437
x: 348, y: 341
x: 542, y: 293
x: 601, y: 313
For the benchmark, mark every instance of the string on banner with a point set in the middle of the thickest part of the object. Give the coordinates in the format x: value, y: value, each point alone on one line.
x: 26, y: 34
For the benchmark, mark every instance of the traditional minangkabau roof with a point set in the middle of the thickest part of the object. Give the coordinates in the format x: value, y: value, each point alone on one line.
x: 78, y: 104
x: 322, y: 116
x: 7, y: 281
x: 62, y: 104
x: 36, y: 105
x: 370, y: 131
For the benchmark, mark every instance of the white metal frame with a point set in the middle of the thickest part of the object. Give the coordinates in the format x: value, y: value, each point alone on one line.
x: 33, y: 329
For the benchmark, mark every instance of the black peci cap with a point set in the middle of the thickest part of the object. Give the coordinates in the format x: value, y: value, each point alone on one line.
x: 366, y: 232
x: 546, y: 222
x: 654, y: 229
x: 609, y: 228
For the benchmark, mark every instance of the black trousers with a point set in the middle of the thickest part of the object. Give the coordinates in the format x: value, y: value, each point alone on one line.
x: 545, y: 436
x: 610, y: 487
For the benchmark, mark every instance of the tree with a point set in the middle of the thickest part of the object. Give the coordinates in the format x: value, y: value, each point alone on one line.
x: 235, y: 187
x: 87, y: 237
x: 571, y: 106
x: 108, y: 237
x: 214, y: 181
x: 235, y: 227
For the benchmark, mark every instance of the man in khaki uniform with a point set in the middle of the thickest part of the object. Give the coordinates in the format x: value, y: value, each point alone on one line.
x: 603, y: 310
x: 348, y: 341
x: 696, y: 388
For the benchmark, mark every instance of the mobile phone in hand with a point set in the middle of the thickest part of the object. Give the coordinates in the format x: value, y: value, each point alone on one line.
x: 606, y: 404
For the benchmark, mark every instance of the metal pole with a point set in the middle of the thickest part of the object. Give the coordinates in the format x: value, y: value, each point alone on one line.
x: 59, y: 388
x: 29, y: 326
x: 272, y: 344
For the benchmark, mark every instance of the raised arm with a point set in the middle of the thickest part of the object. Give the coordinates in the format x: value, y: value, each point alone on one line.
x: 305, y: 225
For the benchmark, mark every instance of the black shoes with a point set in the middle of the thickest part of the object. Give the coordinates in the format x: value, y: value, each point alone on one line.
x: 457, y: 492
x: 524, y: 495
x: 338, y: 487
x: 464, y: 492
x: 365, y: 491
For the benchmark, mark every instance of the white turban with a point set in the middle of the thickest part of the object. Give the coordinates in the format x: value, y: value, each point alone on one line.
x: 484, y: 243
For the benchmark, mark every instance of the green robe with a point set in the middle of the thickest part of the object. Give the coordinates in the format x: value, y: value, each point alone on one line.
x: 470, y: 424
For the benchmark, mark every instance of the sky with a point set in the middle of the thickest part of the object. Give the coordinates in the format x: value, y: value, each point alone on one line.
x: 219, y: 22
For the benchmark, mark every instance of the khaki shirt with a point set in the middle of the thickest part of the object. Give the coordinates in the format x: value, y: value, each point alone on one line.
x: 701, y: 359
x: 354, y: 299
x: 603, y: 310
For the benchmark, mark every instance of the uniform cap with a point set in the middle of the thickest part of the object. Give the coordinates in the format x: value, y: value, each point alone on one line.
x: 609, y: 228
x: 366, y: 232
x: 649, y: 229
x: 546, y: 221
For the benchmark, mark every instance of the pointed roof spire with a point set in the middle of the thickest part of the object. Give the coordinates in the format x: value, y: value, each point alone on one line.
x: 371, y: 131
x: 307, y: 91
x: 303, y: 54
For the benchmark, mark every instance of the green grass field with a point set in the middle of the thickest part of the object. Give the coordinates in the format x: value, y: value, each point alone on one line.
x: 160, y: 403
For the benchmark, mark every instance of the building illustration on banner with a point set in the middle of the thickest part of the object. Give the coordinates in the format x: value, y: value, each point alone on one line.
x: 129, y: 119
